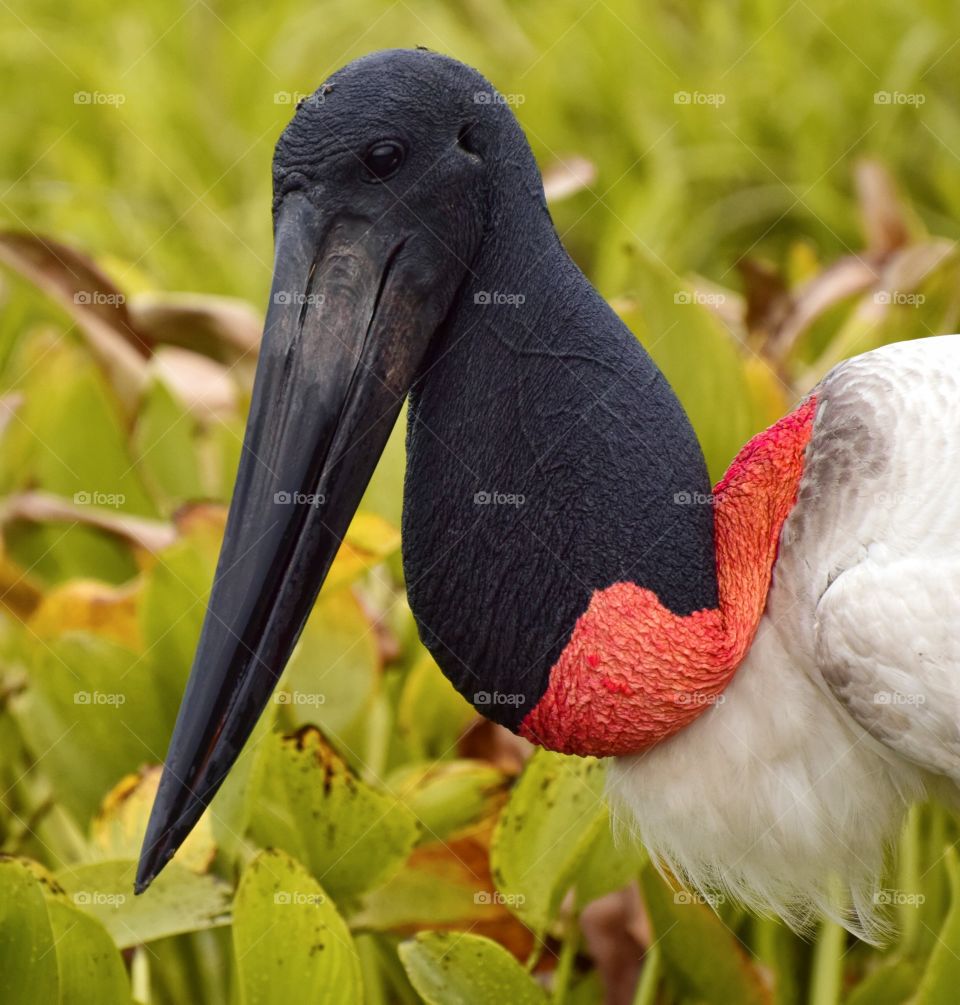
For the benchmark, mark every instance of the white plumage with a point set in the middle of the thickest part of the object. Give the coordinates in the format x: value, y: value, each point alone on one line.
x: 787, y: 793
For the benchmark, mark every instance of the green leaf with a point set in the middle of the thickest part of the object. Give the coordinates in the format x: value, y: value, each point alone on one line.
x: 554, y: 814
x: 164, y: 444
x: 334, y: 670
x: 892, y: 983
x: 442, y: 884
x: 91, y: 968
x: 221, y: 444
x: 431, y: 714
x: 702, y: 954
x: 89, y: 695
x: 942, y: 976
x: 448, y: 795
x: 454, y: 968
x: 350, y: 835
x: 175, y: 595
x: 608, y: 864
x: 118, y: 828
x: 421, y: 898
x: 784, y: 955
x: 28, y: 958
x: 291, y: 944
x: 178, y: 900
x: 237, y: 802
x: 77, y: 437
x: 55, y: 553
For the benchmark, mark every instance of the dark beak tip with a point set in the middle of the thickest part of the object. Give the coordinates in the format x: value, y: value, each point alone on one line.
x: 153, y: 857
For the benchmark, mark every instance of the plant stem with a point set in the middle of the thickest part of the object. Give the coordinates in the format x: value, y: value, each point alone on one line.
x: 827, y: 972
x: 649, y: 982
x: 568, y: 953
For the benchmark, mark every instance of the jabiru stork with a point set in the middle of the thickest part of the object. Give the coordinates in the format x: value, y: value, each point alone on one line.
x: 773, y: 664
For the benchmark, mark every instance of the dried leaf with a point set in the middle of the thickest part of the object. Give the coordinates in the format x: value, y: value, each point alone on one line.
x: 222, y: 328
x: 74, y: 281
x: 608, y: 927
x: 881, y: 210
x: 9, y: 404
x: 118, y: 828
x: 768, y: 301
x: 845, y: 278
x: 90, y: 606
x: 202, y: 385
x: 568, y: 176
x: 43, y: 507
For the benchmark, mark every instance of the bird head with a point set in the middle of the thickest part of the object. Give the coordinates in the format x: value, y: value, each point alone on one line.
x: 381, y: 198
x: 404, y: 192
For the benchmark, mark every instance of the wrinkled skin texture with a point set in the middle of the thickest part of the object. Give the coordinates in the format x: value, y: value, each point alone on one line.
x: 634, y: 672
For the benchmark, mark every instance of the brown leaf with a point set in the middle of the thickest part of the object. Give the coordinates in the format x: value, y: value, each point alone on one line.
x: 200, y: 516
x: 845, y: 278
x: 487, y: 741
x: 907, y: 269
x: 18, y: 593
x: 461, y: 863
x: 118, y: 828
x: 91, y: 606
x: 44, y: 507
x: 223, y: 328
x: 202, y: 385
x: 568, y: 176
x: 9, y: 404
x: 609, y: 927
x: 74, y: 281
x: 881, y: 211
x: 768, y: 300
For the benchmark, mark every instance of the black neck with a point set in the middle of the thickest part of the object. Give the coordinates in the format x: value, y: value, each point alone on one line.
x: 546, y: 453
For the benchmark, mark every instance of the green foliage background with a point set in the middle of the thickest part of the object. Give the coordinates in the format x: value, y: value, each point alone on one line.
x: 375, y: 843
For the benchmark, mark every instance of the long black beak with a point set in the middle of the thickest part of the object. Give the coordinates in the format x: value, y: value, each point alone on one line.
x: 341, y: 346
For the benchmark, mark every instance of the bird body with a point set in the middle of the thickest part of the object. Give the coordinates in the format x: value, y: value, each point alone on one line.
x: 787, y: 792
x: 634, y: 672
x: 771, y: 665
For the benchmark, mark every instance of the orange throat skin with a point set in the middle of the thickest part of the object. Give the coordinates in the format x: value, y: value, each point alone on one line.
x: 633, y: 672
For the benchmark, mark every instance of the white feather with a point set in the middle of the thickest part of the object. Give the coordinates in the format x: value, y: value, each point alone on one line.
x: 788, y: 793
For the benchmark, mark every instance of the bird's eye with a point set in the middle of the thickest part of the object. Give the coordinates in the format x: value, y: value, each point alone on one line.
x: 382, y: 160
x: 467, y: 138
